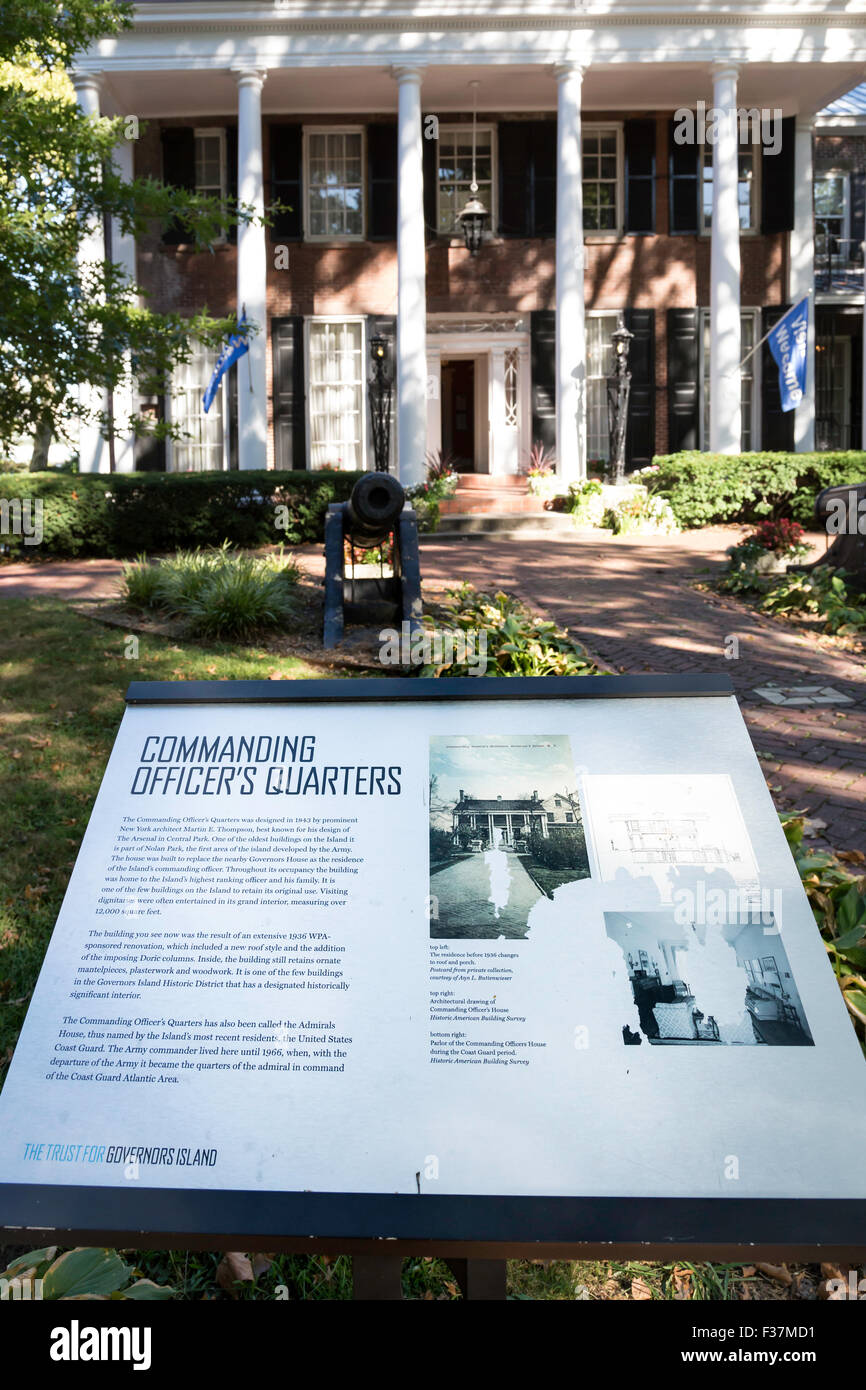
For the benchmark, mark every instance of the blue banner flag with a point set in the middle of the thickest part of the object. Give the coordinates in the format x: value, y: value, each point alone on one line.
x: 788, y: 343
x: 234, y: 349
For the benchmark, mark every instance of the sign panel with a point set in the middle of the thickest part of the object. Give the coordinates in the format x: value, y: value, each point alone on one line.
x: 517, y: 939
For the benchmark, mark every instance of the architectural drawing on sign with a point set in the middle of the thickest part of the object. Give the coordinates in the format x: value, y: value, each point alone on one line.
x: 708, y: 985
x: 658, y: 838
x: 506, y: 831
x: 669, y: 829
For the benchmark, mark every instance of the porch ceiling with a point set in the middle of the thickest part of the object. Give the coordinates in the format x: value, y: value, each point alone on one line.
x: 210, y: 90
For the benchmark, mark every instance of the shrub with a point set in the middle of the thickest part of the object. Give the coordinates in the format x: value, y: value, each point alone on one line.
x: 641, y: 511
x: 125, y: 514
x: 518, y: 642
x: 564, y: 850
x: 221, y: 594
x: 706, y: 488
x: 782, y: 537
x: 586, y: 503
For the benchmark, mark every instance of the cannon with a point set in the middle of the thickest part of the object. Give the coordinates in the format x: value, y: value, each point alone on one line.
x: 376, y: 511
x: 841, y: 511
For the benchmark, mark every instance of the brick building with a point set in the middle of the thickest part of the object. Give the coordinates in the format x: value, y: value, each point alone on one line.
x: 603, y: 207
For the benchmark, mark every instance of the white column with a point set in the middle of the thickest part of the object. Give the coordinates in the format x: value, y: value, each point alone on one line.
x: 123, y: 254
x: 725, y: 335
x: 411, y: 280
x: 93, y: 450
x: 252, y: 274
x: 570, y: 324
x: 802, y: 275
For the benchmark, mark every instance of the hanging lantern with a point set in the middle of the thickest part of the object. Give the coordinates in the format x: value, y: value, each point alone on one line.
x: 474, y: 216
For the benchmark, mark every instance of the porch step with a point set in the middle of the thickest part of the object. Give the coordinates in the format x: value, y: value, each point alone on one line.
x: 504, y: 524
x: 485, y: 482
x: 478, y: 500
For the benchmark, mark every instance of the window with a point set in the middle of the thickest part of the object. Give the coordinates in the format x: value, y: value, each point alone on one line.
x: 455, y: 173
x: 201, y: 447
x: 569, y: 817
x: 831, y: 205
x: 599, y: 366
x: 210, y: 165
x: 749, y: 386
x: 602, y: 165
x: 550, y: 816
x: 512, y: 361
x: 335, y: 358
x: 333, y: 165
x: 747, y: 187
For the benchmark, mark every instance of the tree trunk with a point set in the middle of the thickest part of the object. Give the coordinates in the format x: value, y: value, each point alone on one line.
x: 41, y: 445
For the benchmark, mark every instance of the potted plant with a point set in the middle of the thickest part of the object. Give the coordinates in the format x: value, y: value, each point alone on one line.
x: 770, y: 548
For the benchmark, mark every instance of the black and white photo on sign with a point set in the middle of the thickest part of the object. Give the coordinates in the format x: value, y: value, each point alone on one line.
x: 506, y: 830
x: 708, y: 985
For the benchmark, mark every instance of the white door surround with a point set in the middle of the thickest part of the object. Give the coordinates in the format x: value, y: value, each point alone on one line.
x: 503, y: 408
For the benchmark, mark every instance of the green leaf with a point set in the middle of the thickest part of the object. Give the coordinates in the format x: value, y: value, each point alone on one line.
x: 31, y: 1260
x: 147, y: 1291
x: 851, y: 910
x: 85, y: 1271
x: 850, y: 939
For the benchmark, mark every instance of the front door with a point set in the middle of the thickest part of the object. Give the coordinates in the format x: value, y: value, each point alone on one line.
x: 458, y: 413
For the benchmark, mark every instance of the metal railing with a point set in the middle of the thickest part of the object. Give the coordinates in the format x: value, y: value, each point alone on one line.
x: 838, y: 264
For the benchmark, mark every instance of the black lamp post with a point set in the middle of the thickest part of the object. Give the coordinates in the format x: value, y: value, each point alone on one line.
x: 618, y: 388
x: 380, y: 401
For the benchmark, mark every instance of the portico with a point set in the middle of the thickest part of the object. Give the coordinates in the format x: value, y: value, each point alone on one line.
x: 570, y: 73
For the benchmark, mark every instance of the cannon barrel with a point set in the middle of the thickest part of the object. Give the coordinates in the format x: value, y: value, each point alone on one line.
x: 374, y: 507
x: 829, y: 497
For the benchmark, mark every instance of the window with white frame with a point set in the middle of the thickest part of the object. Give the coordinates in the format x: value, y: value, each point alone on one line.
x: 602, y: 169
x: 747, y: 186
x: 210, y: 164
x: 334, y: 171
x: 599, y: 366
x: 831, y: 213
x: 455, y: 173
x: 200, y: 445
x: 335, y: 360
x: 749, y: 384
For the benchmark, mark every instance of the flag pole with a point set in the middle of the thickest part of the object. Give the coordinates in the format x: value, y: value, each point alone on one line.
x: 761, y: 341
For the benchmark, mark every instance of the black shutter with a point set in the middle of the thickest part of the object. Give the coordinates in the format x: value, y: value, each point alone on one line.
x: 232, y: 177
x: 178, y: 169
x: 515, y: 182
x: 683, y: 364
x: 857, y: 216
x: 777, y: 425
x: 386, y: 324
x: 544, y: 178
x: 290, y: 424
x: 640, y: 444
x: 640, y: 171
x: 542, y: 336
x: 382, y: 181
x: 684, y: 166
x: 431, y: 187
x: 285, y: 146
x: 777, y: 183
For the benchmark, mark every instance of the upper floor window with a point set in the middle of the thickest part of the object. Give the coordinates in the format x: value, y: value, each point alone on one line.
x: 602, y: 179
x: 831, y: 208
x: 334, y: 191
x: 747, y: 187
x: 455, y: 173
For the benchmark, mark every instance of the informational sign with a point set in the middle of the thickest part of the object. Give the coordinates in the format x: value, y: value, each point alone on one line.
x: 442, y: 940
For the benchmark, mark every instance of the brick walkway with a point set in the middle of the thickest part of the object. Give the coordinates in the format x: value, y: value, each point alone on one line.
x: 630, y: 602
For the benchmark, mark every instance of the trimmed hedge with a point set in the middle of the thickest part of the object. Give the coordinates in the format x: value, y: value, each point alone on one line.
x: 705, y: 488
x: 120, y: 514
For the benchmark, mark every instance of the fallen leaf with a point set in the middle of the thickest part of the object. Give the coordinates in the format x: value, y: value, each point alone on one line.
x: 779, y: 1273
x: 829, y: 1271
x: 640, y: 1290
x: 748, y: 1271
x: 851, y: 856
x: 234, y: 1268
x: 682, y: 1283
x: 261, y: 1264
x: 38, y: 742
